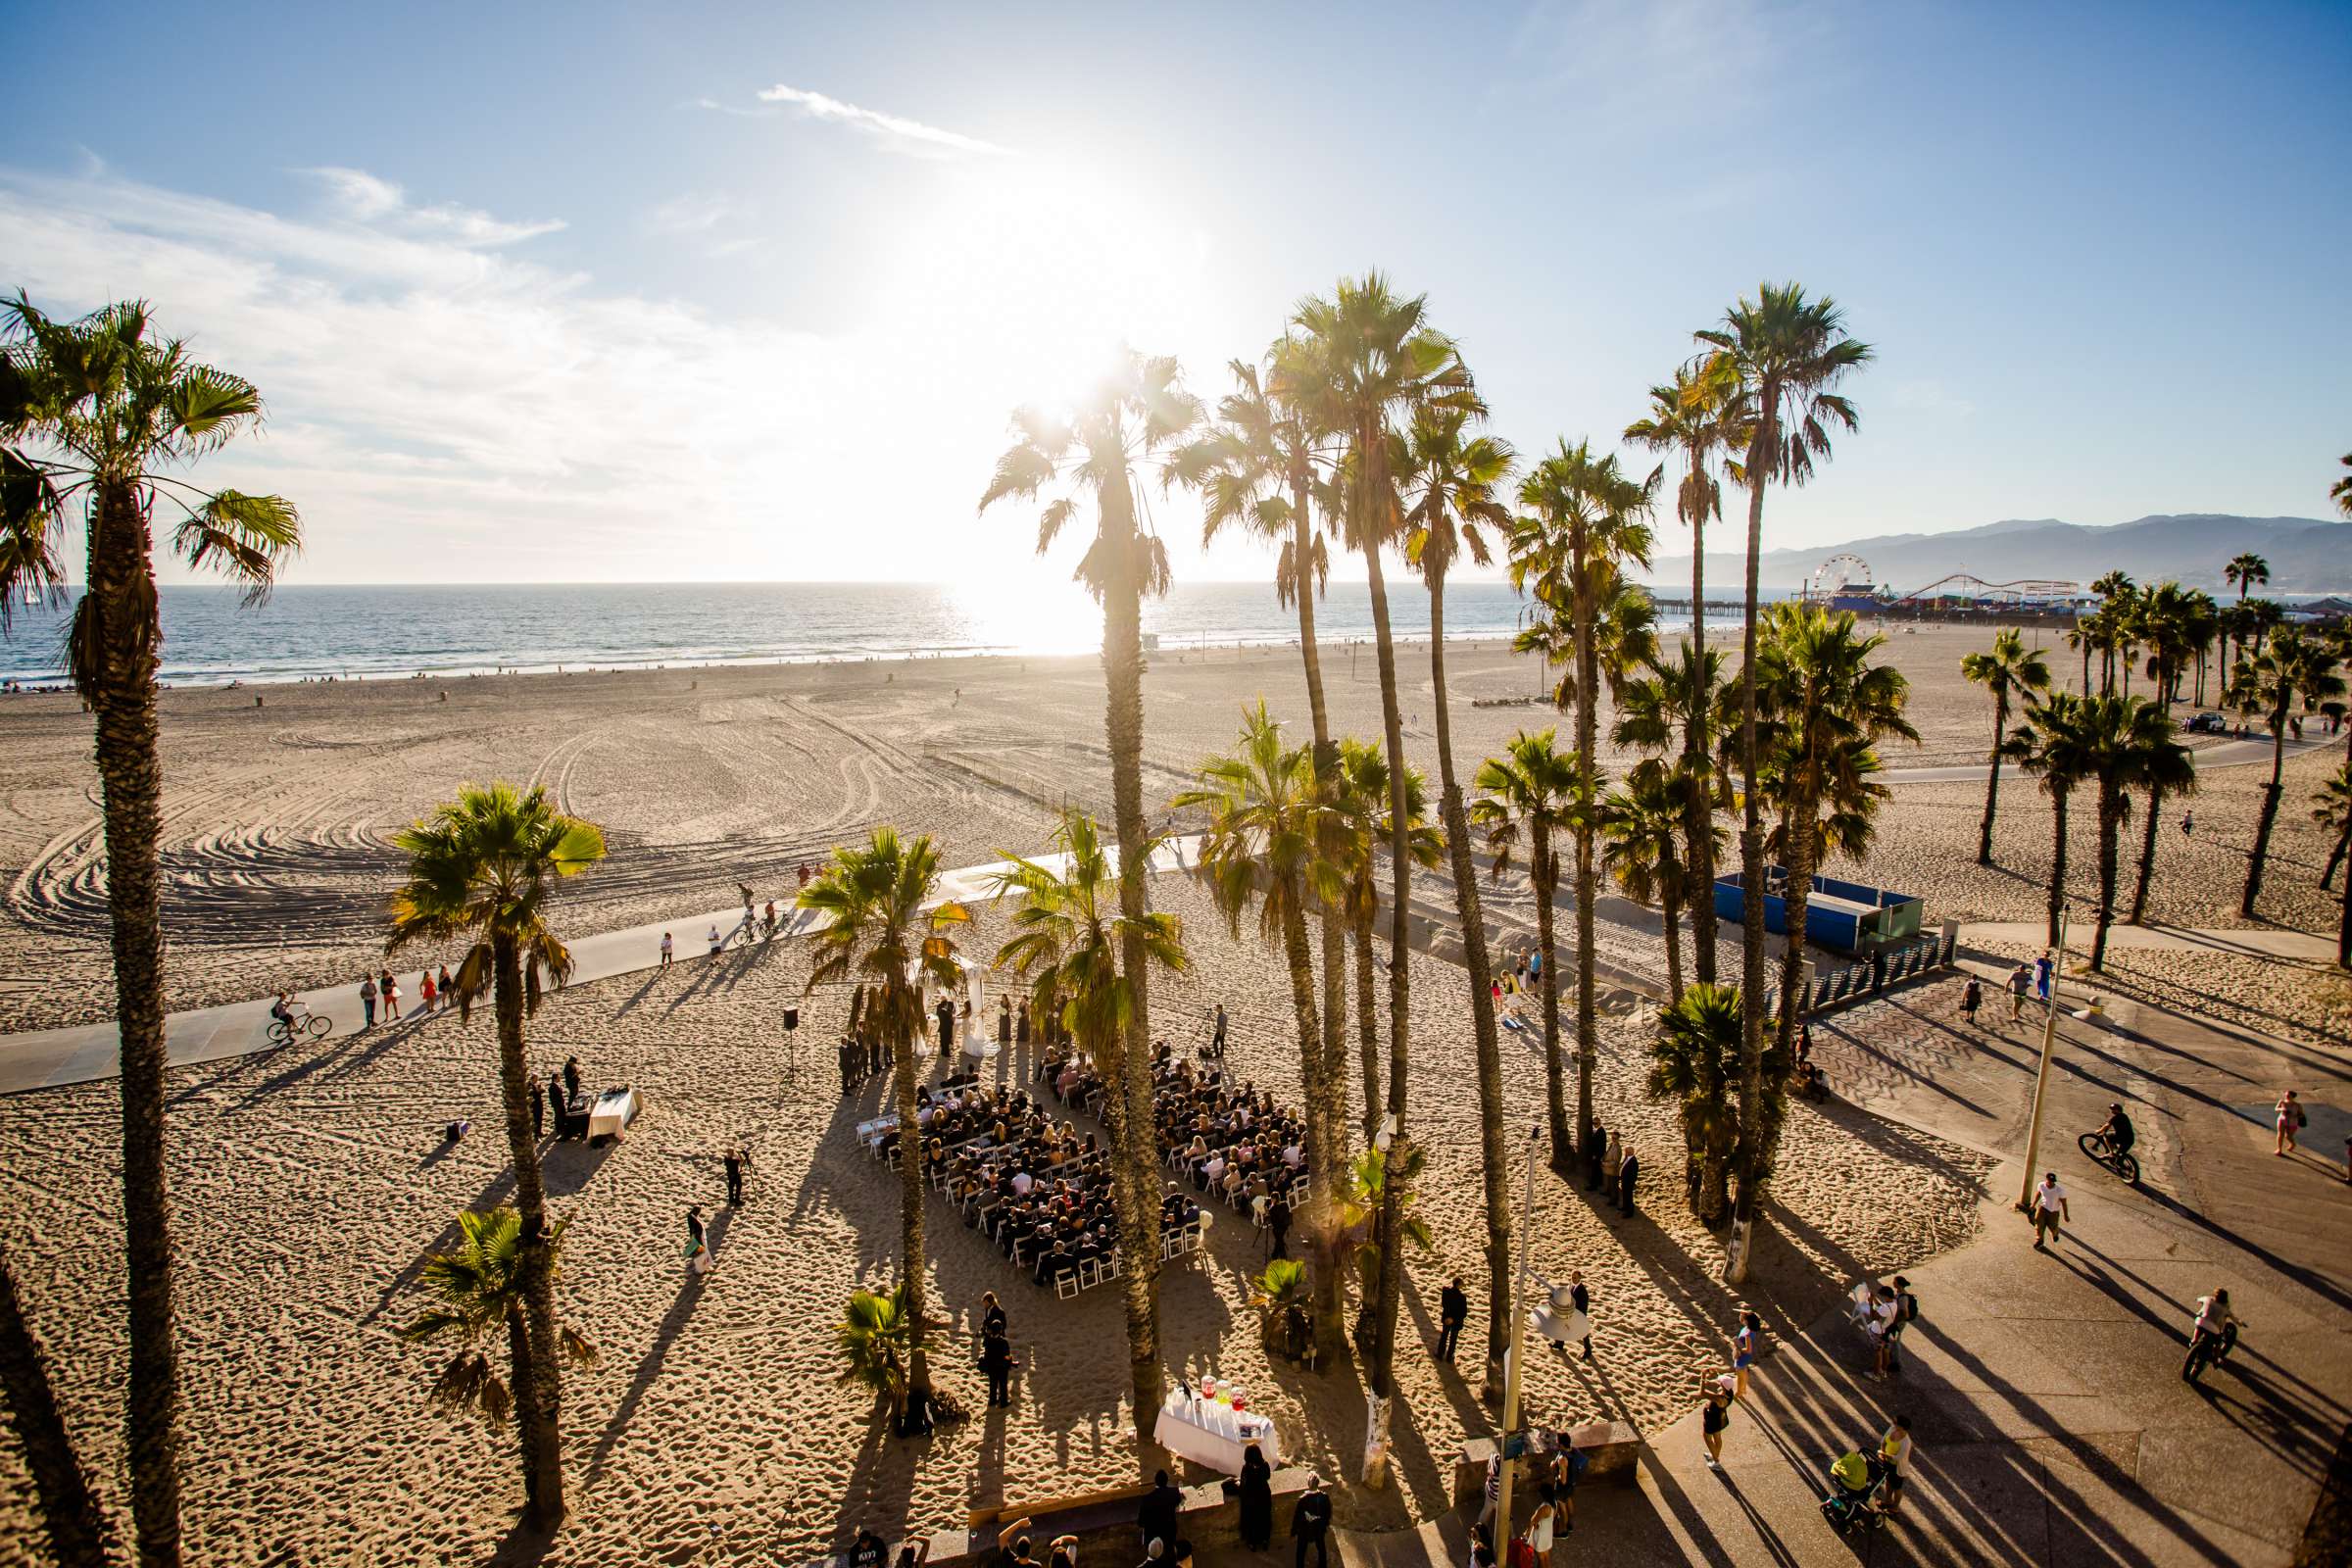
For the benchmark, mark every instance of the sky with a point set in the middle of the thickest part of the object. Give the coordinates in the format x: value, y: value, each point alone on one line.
x: 596, y: 292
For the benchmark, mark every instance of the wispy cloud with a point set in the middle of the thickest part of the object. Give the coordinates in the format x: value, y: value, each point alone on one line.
x: 895, y: 132
x: 367, y: 198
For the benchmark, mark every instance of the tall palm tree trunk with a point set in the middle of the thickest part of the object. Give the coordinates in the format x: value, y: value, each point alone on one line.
x: 1329, y: 1305
x: 1390, y: 1279
x: 2057, y: 901
x: 1993, y: 776
x: 2336, y: 856
x: 1136, y: 1179
x: 121, y: 594
x: 1751, y: 888
x: 1696, y: 726
x: 78, y: 1537
x: 1588, y: 671
x: 1543, y: 868
x: 1327, y: 774
x: 2147, y: 856
x: 1367, y: 1026
x: 540, y: 1401
x: 1670, y: 902
x: 1494, y: 1159
x: 2112, y: 806
x: 2270, y: 815
x: 1796, y: 905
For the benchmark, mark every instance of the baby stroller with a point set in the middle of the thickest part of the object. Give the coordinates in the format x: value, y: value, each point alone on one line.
x: 1852, y: 1506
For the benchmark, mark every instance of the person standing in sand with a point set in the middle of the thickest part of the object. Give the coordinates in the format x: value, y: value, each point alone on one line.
x: 737, y: 1161
x: 1629, y: 1170
x: 1597, y: 1154
x: 697, y: 1250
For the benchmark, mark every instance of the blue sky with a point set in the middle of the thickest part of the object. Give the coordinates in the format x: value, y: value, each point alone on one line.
x: 555, y: 293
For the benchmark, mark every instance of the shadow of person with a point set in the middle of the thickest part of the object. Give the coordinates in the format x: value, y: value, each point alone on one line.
x: 649, y: 1365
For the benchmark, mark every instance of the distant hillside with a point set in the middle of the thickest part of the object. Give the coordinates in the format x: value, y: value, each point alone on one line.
x: 2306, y: 556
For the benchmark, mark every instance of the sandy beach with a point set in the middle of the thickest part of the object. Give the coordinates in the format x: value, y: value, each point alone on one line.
x: 309, y: 1184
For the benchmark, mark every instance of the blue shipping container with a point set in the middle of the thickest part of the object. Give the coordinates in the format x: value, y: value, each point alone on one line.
x: 1845, y: 916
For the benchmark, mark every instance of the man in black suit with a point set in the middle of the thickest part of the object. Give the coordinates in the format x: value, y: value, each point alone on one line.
x: 1597, y: 1148
x: 1155, y: 1518
x: 1454, y: 1309
x: 1626, y: 1174
x: 1310, y: 1523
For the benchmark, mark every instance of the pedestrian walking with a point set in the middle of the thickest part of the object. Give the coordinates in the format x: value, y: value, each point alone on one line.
x: 1894, y: 1452
x: 1745, y: 1344
x: 992, y: 1315
x: 424, y: 989
x: 667, y: 950
x: 737, y: 1161
x: 1539, y: 1533
x: 1310, y: 1524
x: 390, y: 989
x: 367, y: 1001
x: 1714, y: 1416
x: 1216, y: 1040
x: 2291, y: 1122
x: 1581, y: 1299
x: 1453, y: 1310
x: 1972, y: 996
x: 2042, y: 967
x: 449, y: 988
x: 2018, y: 979
x: 2050, y: 1207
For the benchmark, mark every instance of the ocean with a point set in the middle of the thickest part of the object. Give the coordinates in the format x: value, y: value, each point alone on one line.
x: 385, y: 633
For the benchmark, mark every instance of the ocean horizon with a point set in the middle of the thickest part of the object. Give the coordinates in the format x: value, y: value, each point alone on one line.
x: 392, y: 631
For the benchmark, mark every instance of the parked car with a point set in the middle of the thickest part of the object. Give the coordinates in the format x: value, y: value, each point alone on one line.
x: 2208, y: 725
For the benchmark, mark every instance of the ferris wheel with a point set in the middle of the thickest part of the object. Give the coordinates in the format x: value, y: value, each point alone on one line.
x: 1838, y: 572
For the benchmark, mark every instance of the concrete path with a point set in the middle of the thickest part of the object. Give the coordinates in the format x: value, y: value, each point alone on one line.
x: 2043, y: 1389
x: 48, y: 1058
x: 2255, y: 942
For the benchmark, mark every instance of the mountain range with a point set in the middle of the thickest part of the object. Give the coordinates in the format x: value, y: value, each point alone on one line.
x: 2307, y: 555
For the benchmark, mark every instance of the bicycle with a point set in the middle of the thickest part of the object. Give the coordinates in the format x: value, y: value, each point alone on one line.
x: 2095, y: 1148
x: 303, y: 1026
x: 2206, y: 1349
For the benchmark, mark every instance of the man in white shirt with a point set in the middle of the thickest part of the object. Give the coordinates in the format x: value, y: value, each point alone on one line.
x: 2050, y: 1207
x: 1022, y: 1181
x: 1214, y: 1170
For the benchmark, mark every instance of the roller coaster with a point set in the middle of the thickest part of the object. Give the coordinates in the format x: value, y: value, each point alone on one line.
x: 1845, y: 583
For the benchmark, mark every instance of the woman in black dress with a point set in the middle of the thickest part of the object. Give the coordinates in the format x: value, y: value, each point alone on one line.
x: 1257, y: 1500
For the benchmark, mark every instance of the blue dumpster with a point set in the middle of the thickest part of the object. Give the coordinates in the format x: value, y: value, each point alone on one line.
x: 1843, y: 917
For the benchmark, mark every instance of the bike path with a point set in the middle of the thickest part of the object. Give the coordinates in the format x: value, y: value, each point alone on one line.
x: 50, y: 1059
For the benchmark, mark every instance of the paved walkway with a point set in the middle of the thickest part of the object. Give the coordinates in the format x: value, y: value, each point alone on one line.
x: 2254, y: 942
x: 48, y: 1058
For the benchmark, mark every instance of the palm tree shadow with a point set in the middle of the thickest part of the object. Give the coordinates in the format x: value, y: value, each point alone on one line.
x: 649, y: 1367
x: 490, y: 1197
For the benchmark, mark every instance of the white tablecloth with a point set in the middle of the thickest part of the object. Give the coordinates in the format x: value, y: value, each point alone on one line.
x: 1210, y: 1434
x: 613, y: 1111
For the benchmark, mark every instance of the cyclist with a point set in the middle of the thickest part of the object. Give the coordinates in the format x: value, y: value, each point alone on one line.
x: 283, y: 1010
x: 2117, y: 1130
x: 2215, y: 1321
x: 770, y: 917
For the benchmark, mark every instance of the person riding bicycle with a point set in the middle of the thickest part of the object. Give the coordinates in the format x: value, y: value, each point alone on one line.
x: 283, y: 1010
x: 2116, y: 1129
x: 770, y: 917
x: 2214, y: 1321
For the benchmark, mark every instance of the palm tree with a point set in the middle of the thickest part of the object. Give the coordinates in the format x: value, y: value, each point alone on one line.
x: 77, y: 1530
x: 2169, y: 618
x: 1829, y: 706
x: 1262, y: 467
x: 2050, y: 746
x: 2340, y: 492
x: 1642, y: 824
x: 1693, y: 1061
x: 883, y: 927
x: 2331, y: 813
x: 1364, y: 804
x: 2244, y: 571
x: 482, y: 869
x: 1529, y: 796
x: 2164, y: 767
x: 480, y: 1289
x: 2008, y: 668
x: 1585, y: 523
x: 2127, y: 741
x: 1787, y: 351
x: 1276, y: 841
x: 1703, y: 415
x: 2294, y: 668
x: 93, y: 415
x: 1072, y: 940
x: 873, y: 1336
x: 2334, y: 810
x: 1448, y: 481
x: 1362, y: 364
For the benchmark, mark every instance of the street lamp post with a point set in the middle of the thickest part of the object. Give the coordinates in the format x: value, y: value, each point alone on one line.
x: 2042, y: 1075
x: 1513, y: 1358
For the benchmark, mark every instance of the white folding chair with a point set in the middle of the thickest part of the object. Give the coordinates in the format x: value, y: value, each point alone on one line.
x: 1065, y: 1284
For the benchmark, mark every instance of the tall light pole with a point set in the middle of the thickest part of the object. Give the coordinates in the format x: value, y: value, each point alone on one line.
x: 2042, y: 1075
x: 1513, y: 1358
